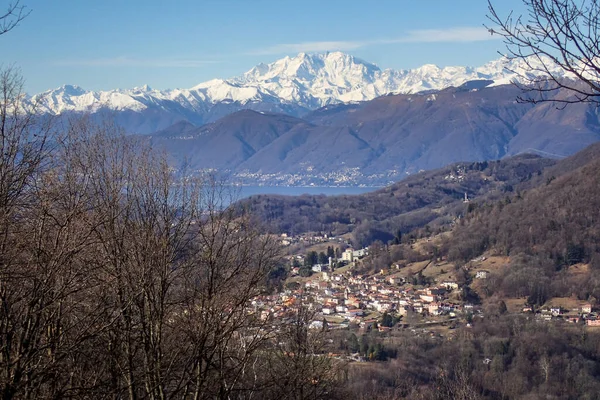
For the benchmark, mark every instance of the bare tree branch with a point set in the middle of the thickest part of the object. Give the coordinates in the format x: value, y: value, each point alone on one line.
x: 556, y: 36
x: 14, y: 14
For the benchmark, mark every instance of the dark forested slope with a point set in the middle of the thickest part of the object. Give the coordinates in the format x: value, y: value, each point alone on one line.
x: 429, y: 197
x: 546, y: 188
x: 559, y: 219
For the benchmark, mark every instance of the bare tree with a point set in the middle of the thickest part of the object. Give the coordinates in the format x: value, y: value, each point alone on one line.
x: 14, y: 14
x: 554, y: 37
x: 24, y: 285
x: 175, y: 271
x: 298, y: 365
x: 121, y: 279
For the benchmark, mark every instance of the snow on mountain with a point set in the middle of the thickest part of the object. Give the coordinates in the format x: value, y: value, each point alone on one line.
x: 306, y: 80
x: 74, y: 98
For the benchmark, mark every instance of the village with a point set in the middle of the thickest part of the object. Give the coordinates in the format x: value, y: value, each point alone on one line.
x: 309, y: 177
x: 393, y: 300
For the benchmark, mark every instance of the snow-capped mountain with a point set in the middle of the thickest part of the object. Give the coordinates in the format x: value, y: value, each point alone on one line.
x: 292, y: 84
x: 324, y: 119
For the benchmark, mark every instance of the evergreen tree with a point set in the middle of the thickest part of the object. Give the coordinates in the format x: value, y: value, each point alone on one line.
x: 387, y: 320
x: 311, y: 259
x: 353, y: 344
x: 323, y: 259
x: 330, y: 252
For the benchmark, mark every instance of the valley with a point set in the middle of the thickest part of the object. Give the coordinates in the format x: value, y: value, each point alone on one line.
x: 505, y: 273
x: 300, y: 122
x: 318, y: 227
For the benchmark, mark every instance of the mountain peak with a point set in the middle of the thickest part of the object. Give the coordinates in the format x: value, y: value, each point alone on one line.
x: 143, y: 88
x: 429, y: 67
x: 306, y: 66
x: 71, y: 90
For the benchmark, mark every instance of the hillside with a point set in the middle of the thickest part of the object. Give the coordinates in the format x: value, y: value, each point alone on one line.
x: 539, y: 241
x: 380, y: 141
x: 504, y: 301
x: 224, y: 144
x: 434, y: 198
x: 552, y: 218
x: 544, y: 230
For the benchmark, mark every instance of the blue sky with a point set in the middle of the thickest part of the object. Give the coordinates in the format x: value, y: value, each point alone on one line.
x: 177, y: 44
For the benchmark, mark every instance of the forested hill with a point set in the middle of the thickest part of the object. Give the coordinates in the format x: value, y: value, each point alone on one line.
x: 433, y: 197
x: 556, y: 224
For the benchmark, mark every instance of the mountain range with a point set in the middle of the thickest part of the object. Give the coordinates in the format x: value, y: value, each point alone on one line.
x: 333, y: 119
x: 293, y: 86
x: 383, y: 140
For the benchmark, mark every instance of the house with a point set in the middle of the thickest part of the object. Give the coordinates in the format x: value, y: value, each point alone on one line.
x: 395, y: 280
x: 450, y: 285
x: 348, y: 255
x: 586, y: 308
x: 353, y: 302
x: 316, y: 325
x: 433, y: 309
x: 381, y: 307
x: 360, y: 253
x: 592, y: 322
x: 428, y: 298
x: 313, y: 284
x: 355, y: 313
x: 265, y: 314
x: 482, y: 274
x: 368, y: 324
x: 341, y: 309
x: 385, y: 291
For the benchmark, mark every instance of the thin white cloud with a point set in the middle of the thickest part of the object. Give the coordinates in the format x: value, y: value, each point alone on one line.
x: 124, y: 61
x: 450, y: 35
x: 454, y: 35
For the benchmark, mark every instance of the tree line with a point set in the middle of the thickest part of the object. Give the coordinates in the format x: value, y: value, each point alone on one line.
x: 121, y: 279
